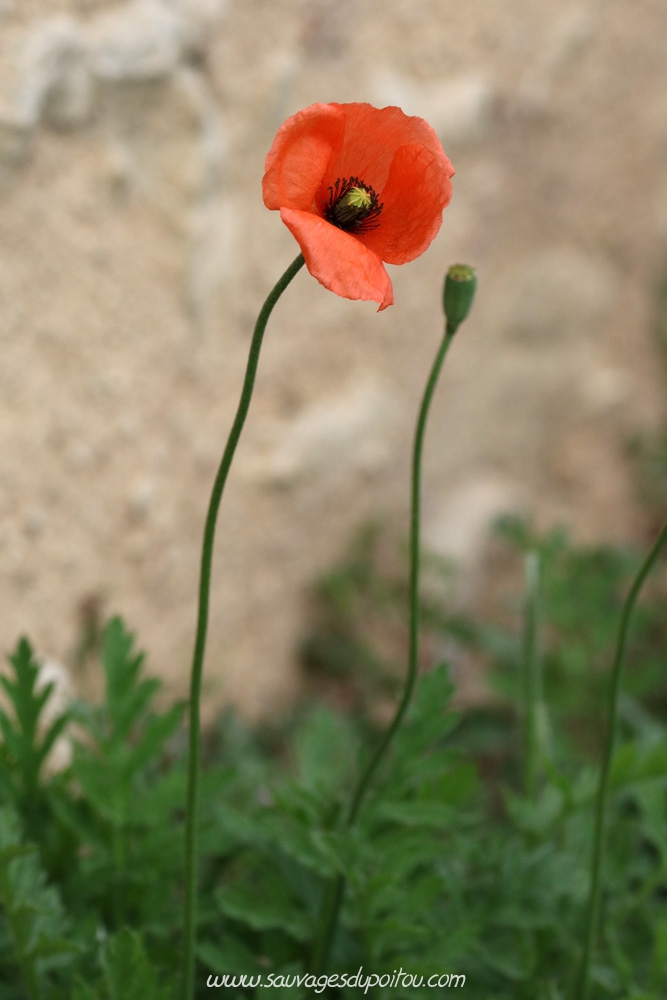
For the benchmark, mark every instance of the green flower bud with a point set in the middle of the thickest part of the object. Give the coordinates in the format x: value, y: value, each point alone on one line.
x: 459, y: 291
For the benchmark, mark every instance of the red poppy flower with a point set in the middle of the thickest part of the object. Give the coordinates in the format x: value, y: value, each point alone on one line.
x: 358, y: 186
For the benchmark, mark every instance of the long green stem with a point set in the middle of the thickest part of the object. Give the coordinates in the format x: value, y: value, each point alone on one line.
x: 600, y: 834
x: 415, y: 523
x: 335, y: 894
x: 192, y: 802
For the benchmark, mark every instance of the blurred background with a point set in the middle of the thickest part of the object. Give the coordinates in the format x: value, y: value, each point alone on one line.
x: 136, y: 253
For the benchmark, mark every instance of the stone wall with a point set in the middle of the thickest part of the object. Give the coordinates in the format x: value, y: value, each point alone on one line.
x: 136, y: 252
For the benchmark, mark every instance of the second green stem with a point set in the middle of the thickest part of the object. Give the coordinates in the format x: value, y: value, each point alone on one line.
x: 335, y: 894
x: 604, y: 788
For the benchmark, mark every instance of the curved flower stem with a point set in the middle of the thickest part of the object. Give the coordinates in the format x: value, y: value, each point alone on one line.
x: 335, y: 894
x: 600, y: 834
x: 192, y: 802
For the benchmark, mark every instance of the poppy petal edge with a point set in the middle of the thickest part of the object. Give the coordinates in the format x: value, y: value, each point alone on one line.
x: 339, y: 261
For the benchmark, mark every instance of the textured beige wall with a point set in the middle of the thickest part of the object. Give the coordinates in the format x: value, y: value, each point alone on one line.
x: 135, y: 253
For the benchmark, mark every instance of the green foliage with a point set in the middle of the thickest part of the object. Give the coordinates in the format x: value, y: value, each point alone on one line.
x: 126, y: 972
x: 528, y: 935
x: 25, y: 747
x: 127, y: 802
x: 28, y: 739
x: 106, y: 830
x: 34, y: 942
x: 451, y: 867
x: 582, y: 594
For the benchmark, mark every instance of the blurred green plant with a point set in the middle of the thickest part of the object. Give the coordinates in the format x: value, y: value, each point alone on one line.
x: 456, y: 864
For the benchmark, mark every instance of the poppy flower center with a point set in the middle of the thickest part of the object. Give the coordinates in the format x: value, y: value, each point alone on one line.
x: 352, y: 206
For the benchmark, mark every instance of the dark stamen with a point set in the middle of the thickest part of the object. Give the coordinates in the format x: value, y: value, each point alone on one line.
x: 352, y: 206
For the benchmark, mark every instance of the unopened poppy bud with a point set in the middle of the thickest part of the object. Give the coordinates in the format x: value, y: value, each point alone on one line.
x: 460, y: 285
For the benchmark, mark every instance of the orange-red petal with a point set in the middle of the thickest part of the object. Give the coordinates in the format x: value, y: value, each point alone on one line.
x: 299, y: 157
x: 372, y: 136
x: 338, y: 260
x: 418, y: 188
